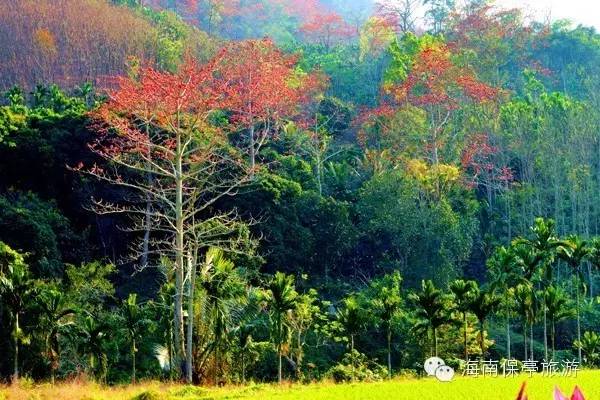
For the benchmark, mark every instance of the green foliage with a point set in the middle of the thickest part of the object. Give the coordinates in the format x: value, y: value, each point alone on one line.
x: 369, y: 245
x: 590, y: 345
x: 176, y: 39
x: 37, y: 227
x: 421, y: 238
x: 355, y: 366
x: 403, y: 52
x: 431, y: 312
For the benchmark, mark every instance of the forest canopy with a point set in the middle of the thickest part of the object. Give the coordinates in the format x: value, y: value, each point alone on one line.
x: 221, y: 191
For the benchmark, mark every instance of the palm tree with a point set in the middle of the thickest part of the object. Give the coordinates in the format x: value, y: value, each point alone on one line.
x: 16, y: 286
x: 248, y: 320
x: 573, y: 252
x: 482, y: 306
x: 244, y: 334
x: 463, y: 294
x: 543, y: 244
x: 352, y: 319
x: 431, y: 310
x: 53, y: 321
x: 92, y: 337
x: 594, y: 259
x: 165, y: 313
x: 388, y: 302
x: 526, y: 261
x: 526, y: 307
x: 302, y: 319
x: 558, y: 308
x: 135, y: 322
x: 503, y: 276
x: 223, y: 287
x: 281, y: 299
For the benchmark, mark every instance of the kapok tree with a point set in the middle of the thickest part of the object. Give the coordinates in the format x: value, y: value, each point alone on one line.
x: 327, y: 29
x: 262, y: 87
x: 156, y: 138
x: 424, y: 74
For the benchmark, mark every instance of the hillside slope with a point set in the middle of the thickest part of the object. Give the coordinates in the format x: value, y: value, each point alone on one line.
x: 72, y: 41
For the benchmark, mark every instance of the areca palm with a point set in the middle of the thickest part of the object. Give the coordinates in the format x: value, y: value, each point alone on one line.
x: 164, y: 310
x: 352, y: 319
x: 15, y: 287
x: 56, y: 311
x: 526, y: 306
x: 223, y: 287
x: 573, y: 252
x: 248, y: 321
x: 482, y: 306
x: 526, y: 260
x: 281, y: 299
x: 388, y: 302
x: 503, y: 276
x: 463, y: 294
x: 244, y: 335
x: 593, y: 258
x: 135, y: 323
x: 544, y: 244
x: 431, y: 311
x: 92, y: 338
x: 558, y: 308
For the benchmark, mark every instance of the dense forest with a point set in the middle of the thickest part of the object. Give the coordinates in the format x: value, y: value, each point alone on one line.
x: 223, y: 191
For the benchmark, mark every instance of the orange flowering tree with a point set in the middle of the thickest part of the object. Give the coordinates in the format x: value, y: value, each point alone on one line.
x: 156, y: 136
x: 262, y: 87
x: 425, y: 74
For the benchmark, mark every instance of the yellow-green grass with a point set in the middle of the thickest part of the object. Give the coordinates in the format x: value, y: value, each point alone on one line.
x: 489, y: 388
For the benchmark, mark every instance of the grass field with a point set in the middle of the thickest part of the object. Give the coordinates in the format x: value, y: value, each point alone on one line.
x: 538, y: 388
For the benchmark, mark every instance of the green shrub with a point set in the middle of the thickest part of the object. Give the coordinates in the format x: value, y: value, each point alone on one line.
x: 148, y: 395
x: 364, y: 370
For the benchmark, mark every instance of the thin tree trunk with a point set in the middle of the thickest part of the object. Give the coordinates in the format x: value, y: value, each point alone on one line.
x: 531, y: 340
x: 319, y: 174
x: 252, y: 150
x: 525, y: 339
x: 545, y: 332
x: 218, y: 363
x: 243, y: 368
x: 481, y: 340
x: 435, y: 342
x: 147, y: 228
x: 133, y: 361
x: 16, y: 360
x: 389, y: 352
x: 578, y: 316
x: 170, y: 348
x: 553, y: 337
x: 190, y: 320
x: 508, y: 336
x: 352, y: 355
x: 465, y: 336
x: 179, y: 256
x: 279, y: 371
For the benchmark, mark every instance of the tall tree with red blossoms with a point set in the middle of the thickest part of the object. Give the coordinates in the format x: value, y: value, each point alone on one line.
x: 327, y: 29
x: 432, y: 80
x: 263, y: 87
x: 155, y: 134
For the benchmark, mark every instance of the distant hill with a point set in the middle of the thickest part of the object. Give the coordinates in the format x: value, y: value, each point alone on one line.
x: 278, y: 19
x: 72, y: 41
